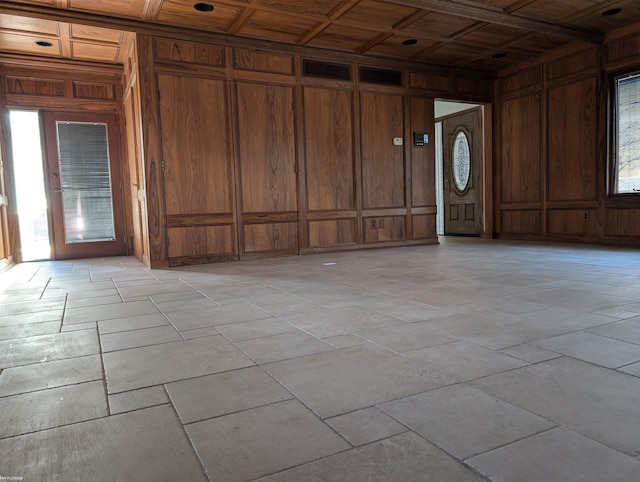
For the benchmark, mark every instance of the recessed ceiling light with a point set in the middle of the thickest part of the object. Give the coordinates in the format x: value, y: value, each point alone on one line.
x: 611, y: 12
x: 500, y: 55
x: 409, y: 41
x: 203, y: 7
x: 44, y: 43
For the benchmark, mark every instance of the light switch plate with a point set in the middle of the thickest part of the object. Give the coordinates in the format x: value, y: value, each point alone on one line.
x: 397, y: 141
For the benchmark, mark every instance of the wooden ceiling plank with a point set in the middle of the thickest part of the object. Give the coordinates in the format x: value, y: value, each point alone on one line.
x: 378, y: 39
x: 518, y: 5
x: 413, y: 18
x: 313, y: 33
x: 241, y: 20
x: 500, y: 18
x: 65, y: 40
x: 340, y: 10
x: 151, y: 10
x: 61, y: 4
x: 590, y: 10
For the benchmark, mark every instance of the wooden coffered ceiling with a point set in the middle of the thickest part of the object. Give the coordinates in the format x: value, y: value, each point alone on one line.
x: 480, y: 34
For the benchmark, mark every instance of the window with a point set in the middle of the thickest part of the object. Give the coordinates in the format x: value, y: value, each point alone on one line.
x: 626, y: 175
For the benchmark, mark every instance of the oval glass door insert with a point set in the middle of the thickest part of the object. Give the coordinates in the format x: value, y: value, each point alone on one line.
x: 461, y: 162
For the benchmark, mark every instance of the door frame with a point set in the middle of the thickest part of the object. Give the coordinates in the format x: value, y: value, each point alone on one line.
x: 59, y: 250
x: 486, y: 196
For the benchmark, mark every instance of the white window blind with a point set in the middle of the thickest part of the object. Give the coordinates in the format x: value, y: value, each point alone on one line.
x: 86, y: 182
x: 627, y: 171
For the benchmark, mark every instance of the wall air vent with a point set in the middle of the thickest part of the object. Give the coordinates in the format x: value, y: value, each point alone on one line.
x: 379, y: 76
x: 311, y: 68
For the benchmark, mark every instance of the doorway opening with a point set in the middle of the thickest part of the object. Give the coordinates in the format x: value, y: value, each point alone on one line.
x: 460, y: 168
x: 31, y: 198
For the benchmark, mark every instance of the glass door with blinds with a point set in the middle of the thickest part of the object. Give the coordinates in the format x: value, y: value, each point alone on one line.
x: 84, y: 184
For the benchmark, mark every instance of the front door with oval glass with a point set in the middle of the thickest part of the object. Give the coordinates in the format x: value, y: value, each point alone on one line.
x: 462, y: 158
x: 84, y: 184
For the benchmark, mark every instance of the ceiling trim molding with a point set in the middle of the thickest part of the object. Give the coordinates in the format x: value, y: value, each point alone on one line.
x: 506, y: 19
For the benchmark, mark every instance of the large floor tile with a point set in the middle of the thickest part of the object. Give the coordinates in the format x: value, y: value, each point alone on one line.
x: 593, y: 348
x: 154, y: 365
x: 44, y: 409
x: 191, y: 319
x: 132, y: 323
x: 465, y: 421
x: 30, y: 329
x: 24, y: 307
x: 137, y: 399
x: 29, y: 318
x: 365, y: 426
x: 145, y: 445
x: 341, y: 321
x: 464, y: 360
x: 224, y: 393
x: 282, y: 347
x: 559, y: 454
x: 407, y: 337
x: 248, y: 330
x: 109, y: 312
x: 137, y: 338
x: 627, y: 330
x: 406, y: 458
x: 39, y: 349
x: 575, y: 299
x: 597, y: 402
x: 261, y: 441
x: 338, y: 382
x: 51, y: 374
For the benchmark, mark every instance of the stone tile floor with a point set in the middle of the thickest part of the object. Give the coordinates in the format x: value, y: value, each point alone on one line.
x: 472, y: 360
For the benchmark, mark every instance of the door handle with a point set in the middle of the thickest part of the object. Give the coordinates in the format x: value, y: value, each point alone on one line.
x: 58, y: 190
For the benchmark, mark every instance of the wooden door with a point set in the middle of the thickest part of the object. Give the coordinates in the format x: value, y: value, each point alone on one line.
x: 462, y: 161
x: 85, y: 188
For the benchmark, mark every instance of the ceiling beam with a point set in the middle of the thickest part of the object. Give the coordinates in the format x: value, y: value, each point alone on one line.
x: 482, y: 14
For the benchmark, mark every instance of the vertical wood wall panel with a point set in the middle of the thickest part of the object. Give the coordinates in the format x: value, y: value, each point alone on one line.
x: 266, y: 146
x: 328, y: 121
x: 381, y: 119
x: 572, y: 141
x: 521, y: 149
x: 423, y: 158
x: 195, y: 145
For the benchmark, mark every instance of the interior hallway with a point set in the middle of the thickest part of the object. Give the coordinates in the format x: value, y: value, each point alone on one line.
x: 473, y: 360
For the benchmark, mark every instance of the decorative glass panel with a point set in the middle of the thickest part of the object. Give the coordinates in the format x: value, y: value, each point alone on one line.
x: 85, y: 179
x: 461, y: 162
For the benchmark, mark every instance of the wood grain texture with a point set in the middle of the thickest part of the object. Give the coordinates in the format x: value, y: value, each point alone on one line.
x: 189, y: 52
x: 332, y: 232
x: 101, y: 91
x: 244, y: 59
x: 390, y: 228
x: 521, y: 160
x: 328, y: 134
x: 200, y: 241
x: 272, y: 237
x: 525, y: 221
x: 424, y: 226
x: 34, y: 86
x: 152, y: 152
x: 564, y: 222
x: 623, y: 223
x: 266, y: 147
x: 423, y: 171
x: 195, y: 143
x: 381, y: 120
x: 572, y: 137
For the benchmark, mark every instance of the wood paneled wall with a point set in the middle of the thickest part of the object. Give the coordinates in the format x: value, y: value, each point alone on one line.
x: 245, y: 156
x: 554, y: 154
